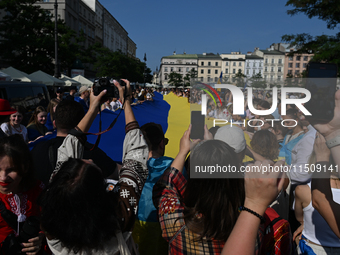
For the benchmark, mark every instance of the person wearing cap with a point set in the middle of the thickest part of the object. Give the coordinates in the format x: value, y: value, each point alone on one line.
x: 234, y: 137
x: 70, y: 96
x: 5, y: 111
x: 60, y: 93
x: 83, y: 98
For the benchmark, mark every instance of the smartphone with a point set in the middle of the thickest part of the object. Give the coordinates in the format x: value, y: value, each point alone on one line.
x: 321, y: 83
x: 197, y: 125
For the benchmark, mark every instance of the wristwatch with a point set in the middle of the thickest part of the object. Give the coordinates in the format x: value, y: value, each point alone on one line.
x: 333, y: 142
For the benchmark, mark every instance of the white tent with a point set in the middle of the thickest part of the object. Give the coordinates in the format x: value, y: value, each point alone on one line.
x: 5, y: 77
x: 47, y: 79
x: 83, y: 80
x: 69, y: 81
x: 19, y: 75
x: 149, y: 85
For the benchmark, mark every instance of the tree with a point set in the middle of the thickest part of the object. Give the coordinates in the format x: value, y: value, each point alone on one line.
x: 175, y: 79
x: 239, y: 76
x: 257, y: 81
x: 324, y: 47
x: 27, y: 34
x: 192, y: 74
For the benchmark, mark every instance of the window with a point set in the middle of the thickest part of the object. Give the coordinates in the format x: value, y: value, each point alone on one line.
x: 279, y: 69
x: 216, y: 71
x: 297, y: 65
x: 226, y: 63
x: 165, y: 69
x: 202, y: 71
x: 254, y: 72
x: 266, y: 69
x: 280, y: 61
x: 272, y: 69
x: 290, y: 65
x: 304, y: 65
x: 254, y: 65
x: 216, y: 63
x: 266, y: 61
x: 247, y: 71
x: 298, y: 58
x: 272, y: 61
x: 234, y: 70
x: 239, y: 63
x: 271, y: 77
x: 201, y: 78
x: 208, y: 71
x: 209, y: 63
x: 172, y: 69
x: 290, y: 58
x: 226, y: 70
x: 216, y: 79
x: 289, y: 71
x: 234, y: 63
x: 248, y: 64
x: 260, y: 64
x: 279, y: 78
x: 209, y: 79
x: 265, y: 76
x: 305, y: 58
x: 239, y: 70
x: 165, y: 76
x: 297, y: 72
x: 202, y: 63
x: 179, y: 69
x: 187, y: 69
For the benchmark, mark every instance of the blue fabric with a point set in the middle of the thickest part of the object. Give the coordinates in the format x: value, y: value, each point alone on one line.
x: 112, y: 141
x: 45, y: 138
x: 304, y: 248
x: 286, y: 150
x: 49, y: 123
x: 146, y: 210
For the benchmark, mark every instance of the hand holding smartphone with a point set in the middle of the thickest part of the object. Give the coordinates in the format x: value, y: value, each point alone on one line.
x: 197, y: 122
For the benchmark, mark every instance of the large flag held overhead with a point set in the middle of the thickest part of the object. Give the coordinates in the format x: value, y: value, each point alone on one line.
x: 220, y: 78
x: 112, y: 141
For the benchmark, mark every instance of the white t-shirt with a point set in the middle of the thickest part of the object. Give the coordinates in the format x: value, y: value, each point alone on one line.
x: 12, y: 131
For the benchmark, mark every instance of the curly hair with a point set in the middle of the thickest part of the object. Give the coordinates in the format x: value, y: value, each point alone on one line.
x: 265, y: 143
x: 77, y: 209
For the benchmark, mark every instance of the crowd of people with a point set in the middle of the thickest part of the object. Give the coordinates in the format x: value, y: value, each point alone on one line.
x: 87, y: 203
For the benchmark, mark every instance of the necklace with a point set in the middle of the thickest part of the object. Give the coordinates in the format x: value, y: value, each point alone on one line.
x: 18, y: 130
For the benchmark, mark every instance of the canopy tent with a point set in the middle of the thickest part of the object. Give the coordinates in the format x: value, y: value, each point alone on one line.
x: 83, y: 80
x: 47, y: 79
x: 5, y: 77
x: 19, y: 75
x: 149, y: 85
x: 69, y: 81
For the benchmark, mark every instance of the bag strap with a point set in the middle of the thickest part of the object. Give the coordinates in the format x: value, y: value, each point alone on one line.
x: 174, y: 237
x: 271, y: 224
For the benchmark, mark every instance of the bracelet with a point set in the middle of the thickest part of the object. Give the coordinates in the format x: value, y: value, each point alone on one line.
x: 242, y: 208
x: 333, y: 142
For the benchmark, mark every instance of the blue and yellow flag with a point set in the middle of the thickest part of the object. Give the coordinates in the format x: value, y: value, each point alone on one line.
x: 219, y: 81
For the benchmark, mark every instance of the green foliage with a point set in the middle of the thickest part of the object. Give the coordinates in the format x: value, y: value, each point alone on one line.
x: 324, y: 47
x: 175, y: 79
x: 327, y: 10
x: 257, y: 81
x: 190, y: 75
x: 116, y: 64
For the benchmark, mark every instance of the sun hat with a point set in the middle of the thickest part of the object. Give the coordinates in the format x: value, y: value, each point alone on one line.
x: 233, y: 136
x: 83, y: 89
x: 5, y: 108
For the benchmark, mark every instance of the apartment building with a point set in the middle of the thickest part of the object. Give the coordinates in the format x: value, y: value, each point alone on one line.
x: 209, y: 67
x: 273, y: 65
x: 179, y: 63
x: 232, y: 63
x: 296, y: 64
x: 253, y: 65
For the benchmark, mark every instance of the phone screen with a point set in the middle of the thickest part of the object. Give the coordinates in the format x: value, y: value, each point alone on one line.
x: 321, y: 83
x: 197, y: 125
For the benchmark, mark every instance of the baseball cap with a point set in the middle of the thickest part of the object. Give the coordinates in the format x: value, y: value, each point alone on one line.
x: 233, y: 136
x: 83, y: 89
x: 5, y: 108
x: 60, y: 90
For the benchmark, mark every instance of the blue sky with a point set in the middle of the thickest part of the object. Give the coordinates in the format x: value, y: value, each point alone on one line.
x: 195, y: 26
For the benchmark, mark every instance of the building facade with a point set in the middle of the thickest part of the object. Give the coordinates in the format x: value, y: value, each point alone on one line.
x: 296, y: 64
x: 209, y: 67
x: 253, y: 65
x: 232, y: 63
x: 179, y: 63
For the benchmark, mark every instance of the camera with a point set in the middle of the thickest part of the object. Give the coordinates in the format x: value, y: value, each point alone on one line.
x: 28, y: 229
x: 107, y: 83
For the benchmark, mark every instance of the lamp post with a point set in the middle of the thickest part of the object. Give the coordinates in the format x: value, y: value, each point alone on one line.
x: 144, y: 74
x: 56, y: 64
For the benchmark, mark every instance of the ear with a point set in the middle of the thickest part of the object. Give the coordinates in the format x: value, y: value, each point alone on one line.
x: 54, y: 124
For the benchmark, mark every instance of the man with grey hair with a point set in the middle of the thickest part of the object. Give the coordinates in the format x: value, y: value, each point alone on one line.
x: 83, y: 99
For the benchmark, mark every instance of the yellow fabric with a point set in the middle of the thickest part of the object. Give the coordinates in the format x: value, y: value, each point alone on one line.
x: 148, y: 236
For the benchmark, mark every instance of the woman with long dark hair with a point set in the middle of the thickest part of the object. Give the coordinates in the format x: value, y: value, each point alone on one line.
x: 198, y: 215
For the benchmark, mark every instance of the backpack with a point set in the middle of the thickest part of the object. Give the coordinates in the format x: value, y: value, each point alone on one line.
x: 275, y: 235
